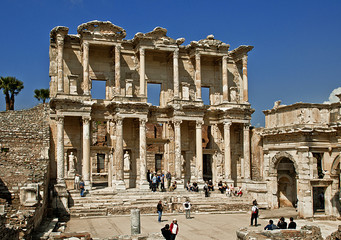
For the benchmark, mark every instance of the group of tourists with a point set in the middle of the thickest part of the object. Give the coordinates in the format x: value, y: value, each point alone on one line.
x: 169, y: 232
x: 282, y: 224
x: 160, y: 181
x: 230, y: 190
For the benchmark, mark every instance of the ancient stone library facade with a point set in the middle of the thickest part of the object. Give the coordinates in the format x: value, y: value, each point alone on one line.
x: 112, y: 140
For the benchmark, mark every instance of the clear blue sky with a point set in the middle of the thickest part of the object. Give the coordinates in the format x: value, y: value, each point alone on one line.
x: 297, y: 54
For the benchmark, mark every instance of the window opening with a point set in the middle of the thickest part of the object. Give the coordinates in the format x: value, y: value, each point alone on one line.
x: 205, y: 95
x: 100, y: 162
x: 98, y: 89
x: 318, y: 157
x: 153, y: 92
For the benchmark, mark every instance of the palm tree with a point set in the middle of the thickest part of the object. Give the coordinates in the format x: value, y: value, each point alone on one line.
x: 10, y: 87
x: 42, y: 94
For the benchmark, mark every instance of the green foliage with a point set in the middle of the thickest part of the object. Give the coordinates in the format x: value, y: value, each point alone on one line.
x: 42, y: 94
x: 10, y: 87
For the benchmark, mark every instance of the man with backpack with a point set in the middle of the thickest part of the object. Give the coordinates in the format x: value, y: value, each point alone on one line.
x: 187, y: 208
x: 254, y: 213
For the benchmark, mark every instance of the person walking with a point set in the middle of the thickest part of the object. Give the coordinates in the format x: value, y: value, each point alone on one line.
x: 187, y: 208
x: 159, y: 210
x: 254, y: 213
x: 174, y: 228
x: 169, y: 179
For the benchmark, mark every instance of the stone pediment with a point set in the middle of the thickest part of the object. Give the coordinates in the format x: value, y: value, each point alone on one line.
x: 210, y: 43
x: 158, y: 36
x: 106, y: 29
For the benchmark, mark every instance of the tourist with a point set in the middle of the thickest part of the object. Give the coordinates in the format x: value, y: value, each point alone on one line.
x: 169, y: 179
x: 77, y: 179
x: 231, y: 190
x: 270, y: 226
x: 188, y: 186
x: 221, y: 187
x: 159, y: 210
x: 228, y: 191
x: 166, y: 233
x: 187, y: 208
x: 210, y: 185
x: 158, y: 181
x: 148, y: 179
x: 254, y: 213
x: 207, y: 194
x: 173, y: 187
x: 240, y: 192
x: 162, y: 182
x: 282, y: 224
x: 292, y: 224
x: 174, y: 228
x: 154, y: 182
x: 195, y: 187
x: 82, y: 187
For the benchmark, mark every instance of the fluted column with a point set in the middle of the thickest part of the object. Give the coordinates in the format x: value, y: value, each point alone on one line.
x: 60, y: 67
x: 118, y: 70
x: 119, y: 150
x: 198, y: 76
x: 177, y: 138
x: 176, y: 72
x: 86, y: 152
x: 60, y: 149
x: 86, y: 80
x: 227, y: 147
x: 245, y: 81
x: 225, y: 79
x: 199, y: 161
x: 142, y: 72
x: 246, y: 139
x: 143, y: 155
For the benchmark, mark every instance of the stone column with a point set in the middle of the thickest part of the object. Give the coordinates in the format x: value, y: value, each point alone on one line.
x: 177, y: 138
x: 86, y: 80
x: 227, y: 147
x: 198, y: 76
x: 142, y: 72
x: 246, y: 139
x: 110, y: 169
x: 245, y: 81
x: 60, y: 71
x: 119, y: 155
x: 143, y: 155
x: 86, y: 152
x: 135, y: 221
x: 225, y: 79
x: 60, y: 149
x: 198, y: 137
x: 118, y: 70
x: 176, y: 73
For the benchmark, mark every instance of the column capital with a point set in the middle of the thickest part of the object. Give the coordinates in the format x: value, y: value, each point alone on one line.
x: 227, y: 123
x: 177, y: 122
x: 85, y: 45
x: 176, y: 53
x: 246, y: 126
x: 225, y: 57
x: 142, y: 51
x: 60, y: 40
x: 244, y: 59
x: 118, y: 48
x: 143, y: 122
x: 199, y: 123
x: 60, y: 119
x: 86, y: 120
x: 197, y: 56
x: 119, y: 121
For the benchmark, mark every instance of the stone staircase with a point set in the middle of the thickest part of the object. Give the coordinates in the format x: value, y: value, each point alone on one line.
x: 106, y: 202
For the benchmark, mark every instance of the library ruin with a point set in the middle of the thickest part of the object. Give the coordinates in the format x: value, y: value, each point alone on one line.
x: 112, y: 140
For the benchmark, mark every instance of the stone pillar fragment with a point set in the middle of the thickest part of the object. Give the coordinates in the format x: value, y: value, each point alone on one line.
x: 60, y: 67
x: 135, y: 221
x: 119, y: 155
x: 60, y: 149
x: 142, y: 72
x: 177, y: 137
x: 199, y: 160
x: 176, y: 73
x: 227, y: 147
x: 245, y: 81
x: 143, y: 155
x: 86, y: 152
x: 246, y: 140
x: 225, y: 79
x: 86, y: 79
x: 198, y: 76
x: 118, y: 70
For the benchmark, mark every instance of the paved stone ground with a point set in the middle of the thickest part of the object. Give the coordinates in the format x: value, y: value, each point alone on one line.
x: 200, y: 226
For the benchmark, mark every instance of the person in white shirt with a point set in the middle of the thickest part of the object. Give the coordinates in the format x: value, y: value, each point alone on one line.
x: 174, y: 228
x: 187, y: 208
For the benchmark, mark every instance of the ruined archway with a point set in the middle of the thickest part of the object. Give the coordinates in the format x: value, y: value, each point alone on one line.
x: 284, y: 167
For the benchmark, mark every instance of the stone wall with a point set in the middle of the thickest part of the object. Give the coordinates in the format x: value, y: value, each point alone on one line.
x: 24, y: 160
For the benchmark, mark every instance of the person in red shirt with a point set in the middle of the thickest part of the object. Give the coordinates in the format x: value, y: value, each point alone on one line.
x: 174, y: 228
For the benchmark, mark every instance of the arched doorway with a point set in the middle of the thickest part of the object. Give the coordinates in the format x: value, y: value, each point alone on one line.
x: 286, y: 179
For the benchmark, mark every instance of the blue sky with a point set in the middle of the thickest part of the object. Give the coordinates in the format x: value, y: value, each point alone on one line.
x: 297, y: 54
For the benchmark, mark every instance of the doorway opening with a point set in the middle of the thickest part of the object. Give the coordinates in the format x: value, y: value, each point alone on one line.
x: 318, y: 200
x: 207, y: 167
x: 100, y: 178
x: 158, y: 159
x: 286, y: 179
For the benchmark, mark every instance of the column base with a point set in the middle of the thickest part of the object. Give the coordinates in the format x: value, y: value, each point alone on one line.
x: 144, y: 185
x: 229, y: 182
x: 119, y: 185
x: 179, y: 184
x: 87, y: 184
x: 61, y: 182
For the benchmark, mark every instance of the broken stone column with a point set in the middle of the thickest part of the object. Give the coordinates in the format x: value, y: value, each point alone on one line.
x: 135, y: 221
